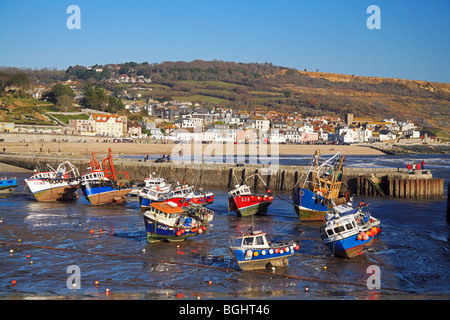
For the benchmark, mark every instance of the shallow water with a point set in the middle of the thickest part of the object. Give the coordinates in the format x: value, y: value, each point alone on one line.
x: 412, y: 253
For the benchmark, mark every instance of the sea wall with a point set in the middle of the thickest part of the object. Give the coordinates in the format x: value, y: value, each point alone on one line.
x: 361, y: 181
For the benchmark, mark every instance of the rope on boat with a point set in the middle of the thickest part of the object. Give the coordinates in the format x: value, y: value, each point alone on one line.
x: 302, y: 278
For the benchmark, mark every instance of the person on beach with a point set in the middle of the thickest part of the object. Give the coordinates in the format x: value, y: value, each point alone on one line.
x: 423, y: 164
x: 409, y: 167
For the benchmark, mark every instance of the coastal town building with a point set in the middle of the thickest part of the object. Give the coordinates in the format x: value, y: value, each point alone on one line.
x: 109, y: 125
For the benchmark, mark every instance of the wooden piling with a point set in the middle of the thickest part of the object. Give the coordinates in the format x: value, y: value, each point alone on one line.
x: 448, y: 203
x: 391, y: 187
x: 413, y: 189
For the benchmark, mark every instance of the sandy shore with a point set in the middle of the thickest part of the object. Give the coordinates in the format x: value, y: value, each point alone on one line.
x: 74, y: 148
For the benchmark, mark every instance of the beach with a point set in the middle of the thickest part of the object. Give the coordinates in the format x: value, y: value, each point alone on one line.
x: 143, y: 148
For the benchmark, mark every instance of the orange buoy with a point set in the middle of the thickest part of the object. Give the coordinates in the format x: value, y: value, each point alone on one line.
x: 359, y: 237
x: 178, y: 233
x: 96, y: 282
x: 14, y: 282
x: 200, y: 230
x: 366, y: 237
x: 92, y: 231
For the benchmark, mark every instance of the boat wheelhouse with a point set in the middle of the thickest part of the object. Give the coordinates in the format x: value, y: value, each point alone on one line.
x: 151, y: 183
x: 182, y: 196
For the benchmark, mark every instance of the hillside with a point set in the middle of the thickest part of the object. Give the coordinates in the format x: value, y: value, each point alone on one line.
x: 250, y: 85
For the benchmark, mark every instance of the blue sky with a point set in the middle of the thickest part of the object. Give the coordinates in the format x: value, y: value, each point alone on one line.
x: 413, y: 42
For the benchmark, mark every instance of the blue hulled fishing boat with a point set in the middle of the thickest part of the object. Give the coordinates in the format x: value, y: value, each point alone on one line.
x: 348, y: 230
x: 254, y: 250
x: 101, y: 184
x: 166, y: 221
x: 318, y: 189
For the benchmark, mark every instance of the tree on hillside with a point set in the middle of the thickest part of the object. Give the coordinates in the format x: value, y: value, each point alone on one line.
x: 61, y: 95
x: 4, y: 77
x: 95, y: 97
x: 18, y: 82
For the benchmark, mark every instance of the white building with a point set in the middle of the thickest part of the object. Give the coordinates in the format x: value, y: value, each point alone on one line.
x: 387, y: 135
x: 260, y: 124
x: 224, y: 135
x: 293, y: 136
x: 275, y: 136
x: 108, y: 125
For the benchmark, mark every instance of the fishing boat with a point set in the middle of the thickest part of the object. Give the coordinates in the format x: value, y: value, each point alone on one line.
x: 318, y: 189
x: 7, y: 184
x: 182, y: 196
x: 58, y: 184
x: 347, y: 233
x: 166, y: 221
x: 242, y: 201
x: 254, y: 250
x: 151, y: 182
x: 101, y: 184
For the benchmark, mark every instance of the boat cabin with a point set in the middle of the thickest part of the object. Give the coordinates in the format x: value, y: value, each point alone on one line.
x: 342, y: 226
x: 168, y: 210
x: 42, y: 175
x: 243, y: 190
x: 180, y: 192
x: 254, y: 240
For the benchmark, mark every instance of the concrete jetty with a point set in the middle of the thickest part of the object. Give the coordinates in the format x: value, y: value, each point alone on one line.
x: 389, y: 182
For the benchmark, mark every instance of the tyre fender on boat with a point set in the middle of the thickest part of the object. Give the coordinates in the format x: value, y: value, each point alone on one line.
x: 248, y: 254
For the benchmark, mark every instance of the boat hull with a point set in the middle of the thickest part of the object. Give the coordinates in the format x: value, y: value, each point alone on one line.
x: 348, y: 247
x: 310, y: 206
x: 250, y: 205
x: 262, y: 258
x: 105, y: 192
x: 157, y: 231
x: 7, y: 185
x: 46, y: 191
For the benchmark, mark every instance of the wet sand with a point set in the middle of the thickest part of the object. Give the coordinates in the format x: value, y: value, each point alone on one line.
x: 11, y: 169
x: 74, y: 148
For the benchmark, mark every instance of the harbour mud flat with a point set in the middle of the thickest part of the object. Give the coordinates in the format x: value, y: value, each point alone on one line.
x: 108, y: 244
